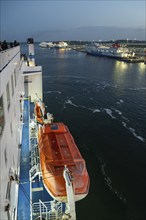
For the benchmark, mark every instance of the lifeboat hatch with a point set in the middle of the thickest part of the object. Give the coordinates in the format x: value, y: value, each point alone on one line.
x: 54, y: 127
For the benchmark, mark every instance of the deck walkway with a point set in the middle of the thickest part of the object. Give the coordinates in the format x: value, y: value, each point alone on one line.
x: 24, y: 186
x: 31, y: 188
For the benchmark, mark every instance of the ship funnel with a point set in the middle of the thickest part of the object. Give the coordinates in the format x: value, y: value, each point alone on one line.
x: 31, y: 58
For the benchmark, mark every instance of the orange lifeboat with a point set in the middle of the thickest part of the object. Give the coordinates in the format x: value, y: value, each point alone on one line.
x: 57, y: 149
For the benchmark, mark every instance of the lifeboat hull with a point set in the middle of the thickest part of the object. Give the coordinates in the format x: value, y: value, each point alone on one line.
x: 57, y: 149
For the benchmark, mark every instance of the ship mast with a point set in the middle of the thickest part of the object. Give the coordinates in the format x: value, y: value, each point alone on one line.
x: 71, y: 213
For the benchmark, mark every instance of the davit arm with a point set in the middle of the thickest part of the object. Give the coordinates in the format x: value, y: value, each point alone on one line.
x: 70, y: 194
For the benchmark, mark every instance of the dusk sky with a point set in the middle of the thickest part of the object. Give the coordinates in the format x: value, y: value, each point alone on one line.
x: 73, y: 20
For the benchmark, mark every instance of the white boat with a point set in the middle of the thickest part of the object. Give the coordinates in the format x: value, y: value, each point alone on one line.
x: 114, y: 51
x: 47, y: 45
x: 22, y: 192
x: 61, y: 45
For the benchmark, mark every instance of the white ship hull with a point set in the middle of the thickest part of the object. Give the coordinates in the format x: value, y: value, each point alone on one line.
x: 12, y: 86
x: 105, y: 51
x: 17, y: 77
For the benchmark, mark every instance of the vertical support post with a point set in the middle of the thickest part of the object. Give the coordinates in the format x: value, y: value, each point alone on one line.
x: 70, y: 194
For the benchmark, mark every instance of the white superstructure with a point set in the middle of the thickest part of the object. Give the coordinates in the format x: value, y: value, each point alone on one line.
x: 32, y: 74
x: 11, y: 104
x: 15, y: 72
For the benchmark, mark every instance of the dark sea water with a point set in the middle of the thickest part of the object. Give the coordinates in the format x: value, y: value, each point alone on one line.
x: 103, y: 103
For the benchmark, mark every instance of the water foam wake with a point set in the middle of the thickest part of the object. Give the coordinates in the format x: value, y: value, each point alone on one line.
x: 132, y: 130
x: 113, y: 113
x: 109, y: 112
x: 68, y: 101
x: 108, y: 181
x: 138, y: 88
x: 120, y: 102
x: 48, y: 92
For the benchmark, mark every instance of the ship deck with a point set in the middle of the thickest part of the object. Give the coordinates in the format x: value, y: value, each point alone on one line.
x: 24, y: 186
x: 32, y: 194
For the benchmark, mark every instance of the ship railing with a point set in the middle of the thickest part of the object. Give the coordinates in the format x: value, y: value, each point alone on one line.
x: 34, y: 171
x: 6, y: 56
x: 34, y: 153
x: 34, y: 156
x: 49, y: 210
x: 35, y: 164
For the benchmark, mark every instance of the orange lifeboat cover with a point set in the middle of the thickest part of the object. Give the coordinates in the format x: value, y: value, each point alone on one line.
x: 57, y: 148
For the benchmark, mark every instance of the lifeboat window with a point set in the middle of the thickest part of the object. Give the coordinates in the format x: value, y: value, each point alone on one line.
x: 54, y: 127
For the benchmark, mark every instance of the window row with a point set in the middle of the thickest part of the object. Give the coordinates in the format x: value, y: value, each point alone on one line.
x: 13, y: 83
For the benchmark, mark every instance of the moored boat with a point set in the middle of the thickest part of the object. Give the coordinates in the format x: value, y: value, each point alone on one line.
x: 61, y: 45
x: 113, y: 51
x: 47, y: 45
